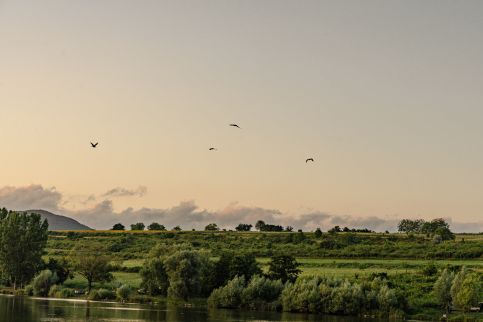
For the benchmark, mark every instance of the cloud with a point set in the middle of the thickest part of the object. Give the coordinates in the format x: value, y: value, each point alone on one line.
x: 187, y: 214
x: 30, y: 197
x: 123, y: 192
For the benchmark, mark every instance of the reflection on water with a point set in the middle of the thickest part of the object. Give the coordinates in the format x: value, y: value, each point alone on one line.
x: 19, y: 309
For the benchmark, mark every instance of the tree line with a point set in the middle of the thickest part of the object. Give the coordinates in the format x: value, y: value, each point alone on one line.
x: 438, y: 228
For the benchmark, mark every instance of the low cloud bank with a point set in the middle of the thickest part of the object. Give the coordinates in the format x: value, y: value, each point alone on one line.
x: 187, y: 214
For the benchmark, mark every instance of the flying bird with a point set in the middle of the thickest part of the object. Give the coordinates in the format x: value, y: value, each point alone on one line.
x: 94, y: 144
x: 309, y: 159
x: 235, y: 125
x: 213, y: 149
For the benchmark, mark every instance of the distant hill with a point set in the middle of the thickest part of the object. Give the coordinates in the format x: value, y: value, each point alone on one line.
x: 57, y: 222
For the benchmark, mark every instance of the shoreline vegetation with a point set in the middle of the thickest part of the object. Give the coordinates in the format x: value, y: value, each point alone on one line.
x: 422, y: 273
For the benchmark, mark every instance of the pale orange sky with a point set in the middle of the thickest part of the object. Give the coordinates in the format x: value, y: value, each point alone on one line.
x: 385, y: 95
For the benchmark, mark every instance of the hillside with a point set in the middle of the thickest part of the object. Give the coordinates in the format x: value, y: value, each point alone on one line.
x: 58, y: 222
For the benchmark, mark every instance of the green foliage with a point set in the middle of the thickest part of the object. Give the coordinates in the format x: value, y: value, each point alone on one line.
x: 92, y: 262
x: 189, y: 274
x: 42, y: 282
x: 60, y: 267
x: 118, y: 226
x: 442, y: 289
x: 469, y: 292
x: 260, y: 292
x: 154, y: 277
x: 212, y: 227
x: 318, y: 233
x: 137, y: 226
x: 458, y: 282
x: 58, y: 291
x: 243, y: 227
x: 101, y: 295
x: 333, y: 296
x: 284, y: 268
x: 410, y: 226
x: 430, y: 269
x: 124, y: 292
x: 156, y: 226
x: 228, y: 296
x: 23, y: 238
x: 261, y: 289
x: 233, y: 264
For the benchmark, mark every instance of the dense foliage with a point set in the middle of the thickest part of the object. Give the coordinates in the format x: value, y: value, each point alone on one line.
x: 92, y: 262
x: 23, y: 238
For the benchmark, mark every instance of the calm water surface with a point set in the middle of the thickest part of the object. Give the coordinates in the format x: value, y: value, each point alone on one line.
x: 23, y: 309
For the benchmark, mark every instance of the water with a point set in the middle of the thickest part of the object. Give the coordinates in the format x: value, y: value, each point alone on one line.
x: 24, y: 309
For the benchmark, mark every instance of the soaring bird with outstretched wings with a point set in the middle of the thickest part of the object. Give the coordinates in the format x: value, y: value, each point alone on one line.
x: 94, y: 145
x: 235, y: 125
x: 213, y: 149
x: 309, y: 159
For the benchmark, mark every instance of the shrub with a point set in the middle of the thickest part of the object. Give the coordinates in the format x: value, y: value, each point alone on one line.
x: 261, y: 289
x: 60, y: 292
x: 43, y: 281
x: 101, y: 294
x: 228, y: 296
x: 123, y: 292
x: 29, y: 290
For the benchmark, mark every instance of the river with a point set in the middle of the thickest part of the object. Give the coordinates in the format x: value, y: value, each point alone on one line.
x: 25, y: 309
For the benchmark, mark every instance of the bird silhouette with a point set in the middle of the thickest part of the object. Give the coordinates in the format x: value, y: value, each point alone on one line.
x: 235, y: 125
x: 94, y: 144
x: 309, y: 159
x: 212, y: 149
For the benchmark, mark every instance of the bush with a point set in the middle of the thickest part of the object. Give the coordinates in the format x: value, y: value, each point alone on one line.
x: 430, y: 269
x: 228, y: 296
x: 29, y: 290
x: 43, y: 281
x: 261, y: 290
x: 101, y: 294
x: 124, y: 292
x: 60, y: 292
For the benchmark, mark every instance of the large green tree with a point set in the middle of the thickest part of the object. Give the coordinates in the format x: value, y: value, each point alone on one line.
x: 189, y: 274
x: 91, y: 261
x: 283, y: 267
x: 442, y: 289
x: 23, y: 238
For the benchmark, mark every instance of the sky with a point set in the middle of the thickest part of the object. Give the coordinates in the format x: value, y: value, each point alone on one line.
x: 386, y: 96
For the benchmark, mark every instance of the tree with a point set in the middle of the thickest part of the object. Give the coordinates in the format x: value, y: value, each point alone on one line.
x: 91, y: 262
x: 318, y: 233
x: 442, y: 289
x: 410, y: 226
x: 445, y: 233
x: 469, y: 293
x: 458, y: 282
x: 118, y: 226
x: 177, y: 228
x: 42, y: 282
x: 289, y: 228
x: 154, y: 277
x: 230, y: 265
x: 23, y: 238
x: 156, y: 226
x: 189, y: 274
x: 259, y: 225
x: 59, y: 267
x: 138, y: 226
x: 284, y: 268
x: 430, y: 227
x: 243, y: 227
x: 334, y: 230
x: 212, y: 227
